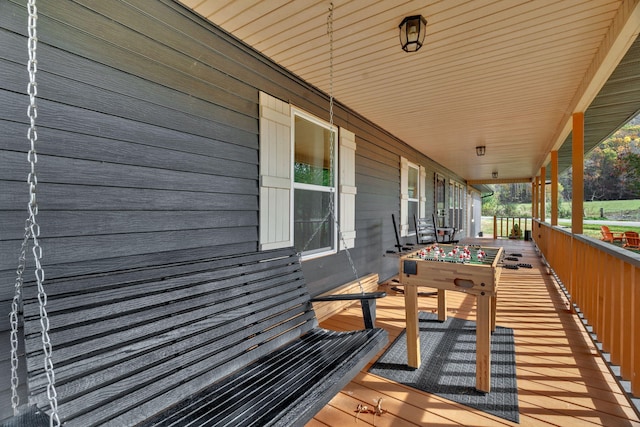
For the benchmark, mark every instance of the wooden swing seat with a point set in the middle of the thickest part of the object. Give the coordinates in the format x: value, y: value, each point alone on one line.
x: 221, y: 341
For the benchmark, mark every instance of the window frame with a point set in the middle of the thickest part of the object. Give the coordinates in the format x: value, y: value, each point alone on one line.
x: 440, y: 196
x: 456, y: 205
x: 415, y: 199
x: 333, y: 189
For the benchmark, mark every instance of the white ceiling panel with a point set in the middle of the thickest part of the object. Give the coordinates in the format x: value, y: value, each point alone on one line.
x: 506, y: 74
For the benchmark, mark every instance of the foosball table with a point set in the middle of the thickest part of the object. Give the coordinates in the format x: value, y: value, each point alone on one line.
x: 471, y: 269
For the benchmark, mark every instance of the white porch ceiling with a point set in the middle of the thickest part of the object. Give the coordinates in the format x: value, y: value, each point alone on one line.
x: 506, y: 74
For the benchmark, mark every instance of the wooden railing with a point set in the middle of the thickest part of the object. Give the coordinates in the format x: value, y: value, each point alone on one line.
x: 503, y: 226
x: 603, y: 284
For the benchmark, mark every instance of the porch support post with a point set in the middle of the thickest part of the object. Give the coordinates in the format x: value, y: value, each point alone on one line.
x: 533, y: 198
x: 536, y: 206
x: 554, y: 188
x: 543, y: 181
x: 577, y: 163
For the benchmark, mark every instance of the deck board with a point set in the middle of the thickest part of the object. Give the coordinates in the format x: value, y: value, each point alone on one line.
x: 562, y: 379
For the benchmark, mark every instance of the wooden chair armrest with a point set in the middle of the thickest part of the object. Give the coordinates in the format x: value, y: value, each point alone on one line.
x: 345, y: 297
x: 367, y: 301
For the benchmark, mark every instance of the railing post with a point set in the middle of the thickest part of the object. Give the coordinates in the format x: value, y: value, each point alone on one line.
x: 605, y: 286
x: 543, y: 194
x: 554, y: 188
x: 577, y: 175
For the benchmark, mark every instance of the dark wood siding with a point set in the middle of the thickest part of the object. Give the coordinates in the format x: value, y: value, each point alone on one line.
x: 148, y: 146
x: 143, y: 149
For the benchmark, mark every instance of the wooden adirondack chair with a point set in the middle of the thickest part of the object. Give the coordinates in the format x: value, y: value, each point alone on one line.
x: 609, y: 236
x: 632, y: 240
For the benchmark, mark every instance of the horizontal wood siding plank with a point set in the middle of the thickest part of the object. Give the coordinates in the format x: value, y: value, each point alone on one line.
x: 231, y: 161
x: 87, y: 97
x: 92, y: 173
x: 83, y: 197
x: 67, y: 223
x: 127, y: 113
x: 100, y: 123
x: 60, y: 250
x: 374, y: 169
x: 167, y: 150
x: 131, y: 138
x: 104, y: 41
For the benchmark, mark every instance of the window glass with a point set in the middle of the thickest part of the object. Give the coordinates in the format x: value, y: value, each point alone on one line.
x: 413, y: 213
x: 312, y: 163
x: 451, y: 222
x: 456, y: 205
x: 461, y: 206
x: 314, y: 187
x: 313, y: 226
x: 413, y: 182
x: 414, y: 193
x: 440, y: 206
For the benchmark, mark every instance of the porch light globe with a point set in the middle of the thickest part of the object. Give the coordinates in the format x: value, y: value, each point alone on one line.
x: 412, y: 33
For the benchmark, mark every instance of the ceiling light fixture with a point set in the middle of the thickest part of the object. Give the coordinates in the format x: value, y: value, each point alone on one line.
x: 494, y: 175
x: 480, y: 150
x: 412, y: 32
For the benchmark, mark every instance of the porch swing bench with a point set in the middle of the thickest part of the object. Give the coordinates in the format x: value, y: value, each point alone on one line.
x: 222, y: 341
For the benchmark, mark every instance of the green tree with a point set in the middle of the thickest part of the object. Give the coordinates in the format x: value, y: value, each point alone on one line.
x: 489, y: 205
x: 611, y: 170
x: 630, y: 174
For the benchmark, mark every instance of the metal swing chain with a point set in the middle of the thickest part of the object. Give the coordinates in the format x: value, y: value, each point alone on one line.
x: 32, y: 231
x: 332, y: 148
x: 15, y: 303
x: 331, y: 212
x: 331, y: 140
x: 13, y: 318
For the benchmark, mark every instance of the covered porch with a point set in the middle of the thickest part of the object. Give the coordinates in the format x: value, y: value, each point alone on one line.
x: 562, y: 377
x: 153, y: 114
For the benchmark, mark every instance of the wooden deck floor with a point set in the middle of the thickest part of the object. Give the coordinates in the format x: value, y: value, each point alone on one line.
x: 562, y: 380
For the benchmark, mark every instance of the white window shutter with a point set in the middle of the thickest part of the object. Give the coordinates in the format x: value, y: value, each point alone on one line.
x: 347, y: 189
x: 275, y: 173
x: 422, y: 185
x: 404, y: 197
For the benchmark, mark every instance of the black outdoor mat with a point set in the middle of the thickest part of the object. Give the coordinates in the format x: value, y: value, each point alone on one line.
x: 448, y: 367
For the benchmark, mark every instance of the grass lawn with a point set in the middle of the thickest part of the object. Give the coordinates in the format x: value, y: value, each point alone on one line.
x: 619, y: 244
x: 628, y: 210
x: 610, y: 209
x: 592, y: 209
x: 591, y: 230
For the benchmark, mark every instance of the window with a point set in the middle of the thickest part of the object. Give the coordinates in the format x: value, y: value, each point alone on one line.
x: 456, y: 205
x: 298, y: 183
x: 439, y: 200
x: 314, y: 171
x: 412, y: 196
